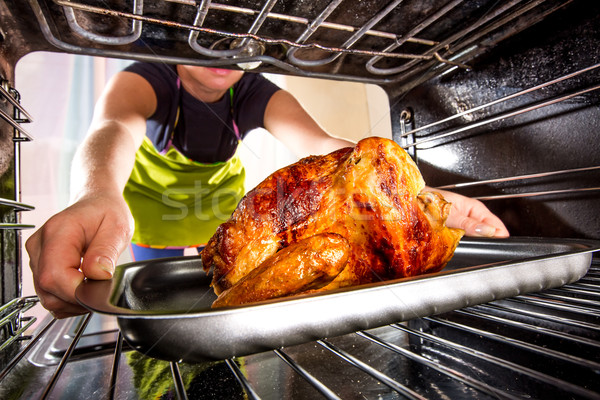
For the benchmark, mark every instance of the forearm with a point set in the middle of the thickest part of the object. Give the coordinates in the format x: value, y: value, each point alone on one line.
x: 332, y: 143
x: 294, y: 127
x: 104, y: 161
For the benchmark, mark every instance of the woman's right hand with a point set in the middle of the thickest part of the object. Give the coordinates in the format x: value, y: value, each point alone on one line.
x: 83, y: 241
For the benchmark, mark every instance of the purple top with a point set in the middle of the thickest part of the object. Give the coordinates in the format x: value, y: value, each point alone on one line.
x: 205, y: 132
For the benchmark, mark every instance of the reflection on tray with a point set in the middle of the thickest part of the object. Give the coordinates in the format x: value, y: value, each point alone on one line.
x: 160, y: 301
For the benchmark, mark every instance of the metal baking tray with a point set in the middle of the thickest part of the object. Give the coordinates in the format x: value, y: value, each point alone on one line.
x: 163, y: 306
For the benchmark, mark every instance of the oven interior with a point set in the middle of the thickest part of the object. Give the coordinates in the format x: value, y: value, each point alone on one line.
x: 496, y: 100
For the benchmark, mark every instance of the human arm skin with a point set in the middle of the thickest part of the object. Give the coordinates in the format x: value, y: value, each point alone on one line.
x: 472, y: 216
x: 86, y: 239
x: 296, y: 129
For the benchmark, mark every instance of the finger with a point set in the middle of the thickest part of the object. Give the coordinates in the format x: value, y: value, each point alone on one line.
x: 57, y: 307
x: 59, y: 280
x: 501, y: 230
x: 32, y: 245
x: 103, y: 251
x: 481, y: 229
x: 487, y: 220
x: 57, y: 269
x: 473, y: 227
x: 477, y: 225
x: 476, y: 219
x: 47, y: 300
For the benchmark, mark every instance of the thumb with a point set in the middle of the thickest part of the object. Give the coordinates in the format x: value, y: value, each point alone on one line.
x: 108, y: 239
x: 101, y: 256
x: 98, y: 266
x: 473, y: 227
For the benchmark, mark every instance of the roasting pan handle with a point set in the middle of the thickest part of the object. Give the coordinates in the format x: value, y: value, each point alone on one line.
x: 97, y: 296
x: 135, y: 284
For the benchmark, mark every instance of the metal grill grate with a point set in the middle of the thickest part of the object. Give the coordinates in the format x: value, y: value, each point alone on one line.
x: 12, y: 323
x: 379, y: 42
x: 14, y: 117
x: 542, y: 345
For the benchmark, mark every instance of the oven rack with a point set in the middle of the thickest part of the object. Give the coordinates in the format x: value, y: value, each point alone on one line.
x: 523, y: 179
x: 539, y: 345
x: 18, y: 116
x: 383, y: 46
x: 14, y: 115
x: 13, y: 323
x: 432, y: 134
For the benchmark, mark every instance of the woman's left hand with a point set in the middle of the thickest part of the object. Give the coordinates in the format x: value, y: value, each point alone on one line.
x: 472, y: 216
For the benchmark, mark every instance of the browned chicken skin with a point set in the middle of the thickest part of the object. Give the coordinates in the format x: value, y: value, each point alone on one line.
x: 308, y: 264
x: 354, y: 216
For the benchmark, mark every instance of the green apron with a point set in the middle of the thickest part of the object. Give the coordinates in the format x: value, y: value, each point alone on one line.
x: 177, y: 202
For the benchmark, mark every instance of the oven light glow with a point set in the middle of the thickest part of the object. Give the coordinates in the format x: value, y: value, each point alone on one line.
x: 440, y: 157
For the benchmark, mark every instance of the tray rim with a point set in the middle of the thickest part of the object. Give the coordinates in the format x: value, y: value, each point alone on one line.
x: 98, y: 296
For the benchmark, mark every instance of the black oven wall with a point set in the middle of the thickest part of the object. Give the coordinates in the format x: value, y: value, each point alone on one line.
x: 559, y: 133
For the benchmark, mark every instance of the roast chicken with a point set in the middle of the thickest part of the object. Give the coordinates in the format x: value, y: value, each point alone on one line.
x: 355, y: 216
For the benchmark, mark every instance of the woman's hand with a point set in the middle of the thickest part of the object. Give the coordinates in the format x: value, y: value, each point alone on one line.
x: 472, y: 216
x: 86, y: 239
x: 83, y: 241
